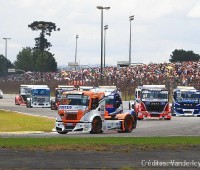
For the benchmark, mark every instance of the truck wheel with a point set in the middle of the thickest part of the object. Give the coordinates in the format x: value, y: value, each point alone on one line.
x: 16, y: 102
x: 128, y: 124
x: 167, y: 118
x: 62, y: 132
x: 96, y: 126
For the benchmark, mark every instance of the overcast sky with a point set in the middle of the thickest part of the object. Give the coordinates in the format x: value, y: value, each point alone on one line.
x: 159, y: 27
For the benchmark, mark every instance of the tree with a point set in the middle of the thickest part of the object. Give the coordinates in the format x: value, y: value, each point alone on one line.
x: 42, y: 44
x: 30, y: 59
x: 4, y: 65
x: 182, y: 55
x: 46, y: 28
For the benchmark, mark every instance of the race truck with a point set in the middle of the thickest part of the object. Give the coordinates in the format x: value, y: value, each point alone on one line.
x: 106, y: 89
x: 39, y: 96
x: 58, y: 91
x: 113, y: 99
x: 24, y: 93
x: 85, y: 88
x: 137, y: 97
x: 186, y: 101
x: 85, y: 111
x: 152, y: 101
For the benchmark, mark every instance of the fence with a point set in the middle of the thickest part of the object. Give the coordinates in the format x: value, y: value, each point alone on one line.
x: 126, y: 85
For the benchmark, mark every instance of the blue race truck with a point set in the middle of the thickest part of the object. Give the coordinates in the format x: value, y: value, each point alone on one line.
x: 186, y: 101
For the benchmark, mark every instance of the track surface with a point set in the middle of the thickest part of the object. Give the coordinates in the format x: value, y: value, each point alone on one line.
x: 178, y: 126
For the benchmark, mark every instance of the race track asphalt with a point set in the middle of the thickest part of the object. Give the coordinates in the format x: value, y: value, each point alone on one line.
x: 156, y: 159
x: 23, y: 159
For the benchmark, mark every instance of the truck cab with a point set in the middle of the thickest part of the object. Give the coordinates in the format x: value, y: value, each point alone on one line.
x: 39, y: 96
x: 85, y: 111
x: 24, y: 93
x: 113, y: 103
x: 152, y: 101
x: 186, y: 101
x: 57, y: 95
x: 85, y: 88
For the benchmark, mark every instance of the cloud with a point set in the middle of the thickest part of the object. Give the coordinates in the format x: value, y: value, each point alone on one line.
x: 159, y: 27
x: 195, y: 11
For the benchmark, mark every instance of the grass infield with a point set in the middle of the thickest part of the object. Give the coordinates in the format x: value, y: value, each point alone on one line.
x: 11, y: 121
x: 125, y: 144
x: 15, y: 122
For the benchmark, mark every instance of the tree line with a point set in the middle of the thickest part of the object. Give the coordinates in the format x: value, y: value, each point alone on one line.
x: 40, y: 59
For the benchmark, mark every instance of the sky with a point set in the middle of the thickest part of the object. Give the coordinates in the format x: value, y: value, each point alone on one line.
x: 159, y: 27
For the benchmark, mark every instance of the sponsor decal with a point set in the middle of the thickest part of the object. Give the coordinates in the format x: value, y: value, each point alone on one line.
x: 109, y: 106
x: 65, y: 107
x: 71, y: 107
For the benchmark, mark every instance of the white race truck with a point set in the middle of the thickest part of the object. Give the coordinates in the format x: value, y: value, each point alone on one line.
x: 39, y: 96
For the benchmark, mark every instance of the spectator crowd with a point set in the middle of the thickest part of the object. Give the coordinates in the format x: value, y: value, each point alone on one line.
x: 170, y: 74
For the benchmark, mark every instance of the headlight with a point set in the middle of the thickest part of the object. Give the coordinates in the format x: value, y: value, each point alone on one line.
x: 177, y: 104
x: 59, y: 118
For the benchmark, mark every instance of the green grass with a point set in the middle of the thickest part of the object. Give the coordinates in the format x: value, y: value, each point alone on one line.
x: 14, y: 122
x: 124, y: 144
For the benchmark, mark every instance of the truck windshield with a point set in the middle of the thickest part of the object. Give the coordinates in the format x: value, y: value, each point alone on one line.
x: 25, y: 91
x: 74, y: 99
x: 188, y: 96
x: 110, y: 100
x: 149, y: 94
x: 58, y: 93
x: 41, y: 92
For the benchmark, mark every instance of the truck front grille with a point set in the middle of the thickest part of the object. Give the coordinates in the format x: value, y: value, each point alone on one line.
x: 71, y: 117
x: 155, y: 107
x: 41, y: 100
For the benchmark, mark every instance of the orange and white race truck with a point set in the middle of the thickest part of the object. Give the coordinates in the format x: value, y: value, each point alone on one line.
x: 85, y: 111
x: 152, y: 101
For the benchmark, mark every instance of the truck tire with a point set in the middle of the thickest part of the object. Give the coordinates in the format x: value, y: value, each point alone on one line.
x: 128, y: 124
x: 16, y: 102
x: 172, y: 110
x: 62, y: 132
x: 96, y: 126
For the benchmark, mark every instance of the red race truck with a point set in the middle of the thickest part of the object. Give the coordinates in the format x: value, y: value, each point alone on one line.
x: 152, y: 101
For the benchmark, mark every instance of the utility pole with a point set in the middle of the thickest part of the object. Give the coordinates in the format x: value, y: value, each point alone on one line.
x: 6, y: 69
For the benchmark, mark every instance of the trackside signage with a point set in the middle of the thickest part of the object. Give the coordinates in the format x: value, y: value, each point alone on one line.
x: 11, y: 70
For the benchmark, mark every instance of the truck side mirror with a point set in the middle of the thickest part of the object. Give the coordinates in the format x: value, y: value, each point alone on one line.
x: 117, y: 104
x: 138, y: 100
x: 95, y: 103
x: 117, y: 97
